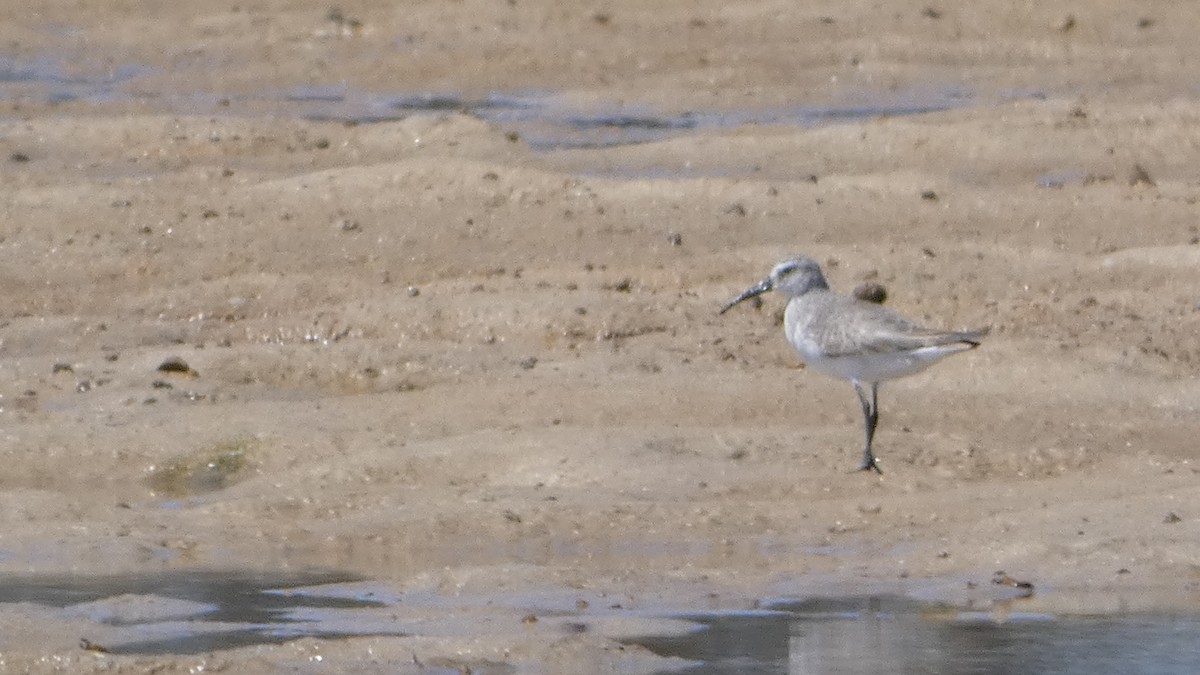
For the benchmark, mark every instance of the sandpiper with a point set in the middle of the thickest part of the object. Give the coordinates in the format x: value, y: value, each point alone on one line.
x: 852, y: 339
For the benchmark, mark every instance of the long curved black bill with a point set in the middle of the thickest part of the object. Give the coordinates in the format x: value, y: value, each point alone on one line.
x: 761, y: 288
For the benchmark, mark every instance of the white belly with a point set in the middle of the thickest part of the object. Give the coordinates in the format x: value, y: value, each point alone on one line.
x: 876, y: 367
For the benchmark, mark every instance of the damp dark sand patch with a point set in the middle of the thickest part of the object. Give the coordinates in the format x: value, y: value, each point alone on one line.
x: 205, y: 470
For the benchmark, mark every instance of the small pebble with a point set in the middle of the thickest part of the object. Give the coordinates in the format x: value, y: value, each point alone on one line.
x: 175, y: 364
x: 871, y: 292
x: 1139, y: 176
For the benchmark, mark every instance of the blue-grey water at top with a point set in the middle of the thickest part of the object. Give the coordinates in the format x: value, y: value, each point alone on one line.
x: 894, y: 635
x: 544, y: 120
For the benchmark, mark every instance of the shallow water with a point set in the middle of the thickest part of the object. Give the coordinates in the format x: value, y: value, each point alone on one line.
x: 193, y: 612
x: 546, y: 121
x: 190, y: 612
x: 53, y: 81
x: 896, y: 635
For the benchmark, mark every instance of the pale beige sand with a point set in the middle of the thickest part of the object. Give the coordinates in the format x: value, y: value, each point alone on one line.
x: 560, y: 406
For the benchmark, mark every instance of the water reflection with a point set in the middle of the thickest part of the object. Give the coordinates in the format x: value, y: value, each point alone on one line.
x: 894, y: 635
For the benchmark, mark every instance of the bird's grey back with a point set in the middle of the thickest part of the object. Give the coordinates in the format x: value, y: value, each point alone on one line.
x: 838, y: 325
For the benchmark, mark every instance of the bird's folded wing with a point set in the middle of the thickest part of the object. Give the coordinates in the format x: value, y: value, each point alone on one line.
x: 907, y: 339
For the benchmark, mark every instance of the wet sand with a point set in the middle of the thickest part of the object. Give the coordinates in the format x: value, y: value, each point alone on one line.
x: 431, y: 352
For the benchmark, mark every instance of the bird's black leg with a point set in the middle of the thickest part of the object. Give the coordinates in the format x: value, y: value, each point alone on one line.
x: 870, y: 410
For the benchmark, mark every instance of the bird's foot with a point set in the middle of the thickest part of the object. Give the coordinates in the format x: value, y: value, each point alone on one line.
x: 869, y: 464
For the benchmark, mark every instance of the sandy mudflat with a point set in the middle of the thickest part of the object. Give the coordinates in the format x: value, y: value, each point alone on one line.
x: 465, y: 353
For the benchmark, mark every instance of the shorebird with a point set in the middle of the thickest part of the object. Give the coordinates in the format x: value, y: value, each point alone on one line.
x: 853, y: 339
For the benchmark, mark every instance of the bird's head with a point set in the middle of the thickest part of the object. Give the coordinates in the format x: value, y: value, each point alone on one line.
x: 793, y: 277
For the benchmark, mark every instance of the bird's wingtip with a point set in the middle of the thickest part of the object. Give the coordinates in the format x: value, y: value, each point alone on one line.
x: 975, y: 337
